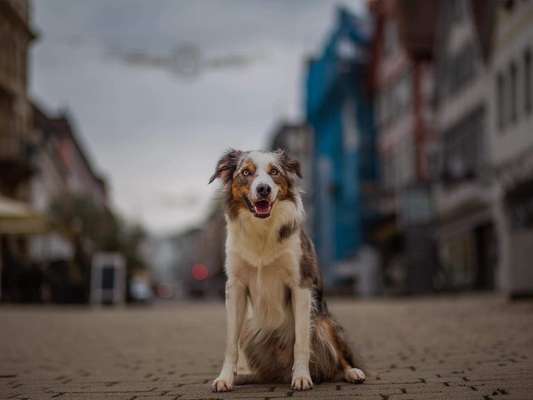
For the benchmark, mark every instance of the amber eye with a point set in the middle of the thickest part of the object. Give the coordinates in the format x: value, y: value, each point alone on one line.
x: 246, y: 172
x: 274, y: 171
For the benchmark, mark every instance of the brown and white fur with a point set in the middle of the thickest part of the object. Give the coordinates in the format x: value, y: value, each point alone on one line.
x: 272, y: 274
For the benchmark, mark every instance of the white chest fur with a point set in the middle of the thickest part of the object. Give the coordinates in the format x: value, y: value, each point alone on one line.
x: 267, y: 265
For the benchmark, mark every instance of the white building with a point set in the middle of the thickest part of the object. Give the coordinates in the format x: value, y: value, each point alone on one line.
x: 462, y: 114
x: 511, y: 143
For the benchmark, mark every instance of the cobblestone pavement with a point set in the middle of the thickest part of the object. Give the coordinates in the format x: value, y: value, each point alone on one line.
x: 438, y: 348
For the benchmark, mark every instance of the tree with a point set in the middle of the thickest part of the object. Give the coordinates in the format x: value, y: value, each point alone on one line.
x: 91, y: 228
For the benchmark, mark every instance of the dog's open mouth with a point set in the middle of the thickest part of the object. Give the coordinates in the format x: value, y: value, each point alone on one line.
x: 262, y: 209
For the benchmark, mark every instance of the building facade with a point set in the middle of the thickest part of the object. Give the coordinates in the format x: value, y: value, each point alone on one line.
x: 454, y: 107
x: 340, y: 114
x: 467, y: 237
x: 16, y: 141
x: 62, y: 163
x: 402, y: 83
x: 17, y: 144
x: 62, y: 167
x: 57, y: 260
x: 48, y: 183
x: 511, y: 144
x: 79, y: 172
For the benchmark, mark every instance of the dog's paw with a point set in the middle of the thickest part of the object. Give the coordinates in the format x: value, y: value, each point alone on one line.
x: 302, y: 382
x: 354, y: 375
x: 222, y: 385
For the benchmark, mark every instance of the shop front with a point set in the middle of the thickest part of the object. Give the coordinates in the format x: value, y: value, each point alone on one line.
x: 518, y: 210
x: 467, y: 250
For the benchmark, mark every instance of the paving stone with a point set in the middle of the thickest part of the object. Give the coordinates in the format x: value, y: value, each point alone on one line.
x: 467, y: 347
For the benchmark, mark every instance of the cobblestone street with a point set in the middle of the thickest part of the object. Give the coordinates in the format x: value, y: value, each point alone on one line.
x: 439, y: 348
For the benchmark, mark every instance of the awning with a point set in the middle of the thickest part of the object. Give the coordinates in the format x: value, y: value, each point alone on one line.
x: 17, y: 218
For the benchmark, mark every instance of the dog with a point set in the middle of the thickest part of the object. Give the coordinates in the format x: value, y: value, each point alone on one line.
x: 272, y: 273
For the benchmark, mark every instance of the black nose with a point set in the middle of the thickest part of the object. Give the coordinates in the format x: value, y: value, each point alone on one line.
x: 263, y: 190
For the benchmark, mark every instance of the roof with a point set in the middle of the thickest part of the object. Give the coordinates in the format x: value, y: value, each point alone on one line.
x: 417, y: 22
x: 61, y: 126
x: 21, y: 18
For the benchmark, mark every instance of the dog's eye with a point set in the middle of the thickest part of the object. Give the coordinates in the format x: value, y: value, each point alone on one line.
x: 246, y: 172
x: 274, y: 171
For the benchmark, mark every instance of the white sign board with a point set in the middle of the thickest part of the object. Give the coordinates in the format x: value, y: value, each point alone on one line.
x: 108, y: 279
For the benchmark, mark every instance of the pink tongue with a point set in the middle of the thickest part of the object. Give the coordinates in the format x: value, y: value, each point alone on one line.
x: 262, y: 207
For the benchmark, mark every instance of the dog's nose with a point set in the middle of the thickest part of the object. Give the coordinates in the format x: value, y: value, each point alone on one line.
x: 263, y: 190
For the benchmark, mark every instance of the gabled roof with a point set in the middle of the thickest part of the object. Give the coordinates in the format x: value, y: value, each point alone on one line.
x: 22, y: 20
x: 61, y: 127
x: 417, y: 20
x: 482, y: 17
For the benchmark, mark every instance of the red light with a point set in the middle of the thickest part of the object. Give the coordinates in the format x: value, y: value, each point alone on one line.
x: 200, y: 272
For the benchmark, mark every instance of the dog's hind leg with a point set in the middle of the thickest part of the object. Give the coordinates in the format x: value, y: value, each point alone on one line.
x: 346, y: 360
x: 354, y: 375
x: 242, y: 364
x: 331, y: 333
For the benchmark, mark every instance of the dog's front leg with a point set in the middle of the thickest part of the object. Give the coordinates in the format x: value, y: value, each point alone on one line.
x: 301, y: 303
x: 235, y: 311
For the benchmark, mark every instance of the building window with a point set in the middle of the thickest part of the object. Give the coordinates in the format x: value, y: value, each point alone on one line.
x: 395, y: 100
x: 501, y: 101
x: 460, y: 70
x: 513, y: 100
x: 385, y: 171
x: 463, y: 145
x: 509, y: 5
x: 411, y: 158
x: 513, y: 94
x: 458, y: 10
x: 404, y: 93
x: 381, y: 108
x: 389, y: 159
x: 528, y: 84
x: 391, y: 38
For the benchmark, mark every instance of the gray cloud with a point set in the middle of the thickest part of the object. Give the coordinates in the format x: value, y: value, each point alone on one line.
x: 150, y: 132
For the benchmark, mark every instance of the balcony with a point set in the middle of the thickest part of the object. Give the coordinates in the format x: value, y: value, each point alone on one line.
x: 16, y: 160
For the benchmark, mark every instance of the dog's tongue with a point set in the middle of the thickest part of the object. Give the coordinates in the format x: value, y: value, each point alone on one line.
x: 262, y: 208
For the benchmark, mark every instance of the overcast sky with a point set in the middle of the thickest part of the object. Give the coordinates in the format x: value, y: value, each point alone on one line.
x: 158, y: 89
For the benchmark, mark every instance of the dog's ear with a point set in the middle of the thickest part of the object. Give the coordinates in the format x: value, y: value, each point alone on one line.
x: 226, y: 166
x: 289, y: 165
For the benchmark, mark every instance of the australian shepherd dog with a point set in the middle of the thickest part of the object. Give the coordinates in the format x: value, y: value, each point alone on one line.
x: 278, y: 325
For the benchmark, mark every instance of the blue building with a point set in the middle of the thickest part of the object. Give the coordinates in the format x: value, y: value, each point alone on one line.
x: 339, y: 110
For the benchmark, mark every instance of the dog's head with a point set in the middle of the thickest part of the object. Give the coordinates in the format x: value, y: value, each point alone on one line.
x: 256, y: 181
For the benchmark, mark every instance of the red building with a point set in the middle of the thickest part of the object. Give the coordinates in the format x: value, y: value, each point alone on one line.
x: 63, y: 168
x: 402, y: 84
